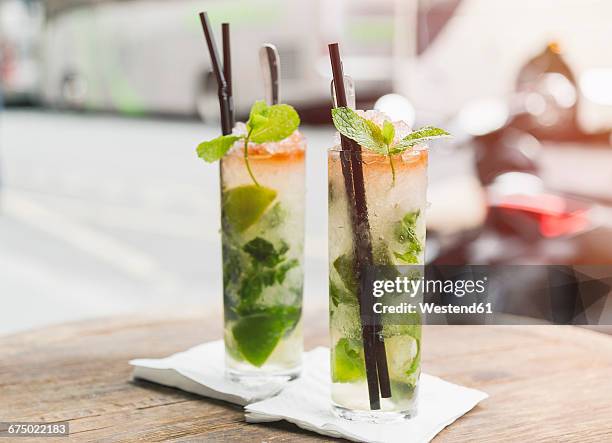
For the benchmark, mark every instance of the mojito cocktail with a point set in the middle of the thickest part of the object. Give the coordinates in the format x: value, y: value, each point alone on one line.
x: 262, y: 233
x: 263, y: 244
x: 393, y: 161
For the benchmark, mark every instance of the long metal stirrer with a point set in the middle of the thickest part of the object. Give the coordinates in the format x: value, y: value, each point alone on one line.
x: 270, y: 66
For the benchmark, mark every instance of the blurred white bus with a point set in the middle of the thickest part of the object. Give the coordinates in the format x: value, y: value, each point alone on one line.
x: 138, y: 56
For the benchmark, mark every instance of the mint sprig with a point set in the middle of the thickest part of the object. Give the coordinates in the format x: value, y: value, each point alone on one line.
x: 269, y: 266
x: 418, y: 136
x: 266, y: 124
x: 380, y: 140
x: 405, y: 234
x: 363, y: 131
x: 271, y: 123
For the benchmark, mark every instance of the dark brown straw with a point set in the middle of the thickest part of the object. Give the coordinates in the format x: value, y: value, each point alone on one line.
x: 364, y: 242
x: 350, y: 157
x: 227, y: 69
x: 224, y: 105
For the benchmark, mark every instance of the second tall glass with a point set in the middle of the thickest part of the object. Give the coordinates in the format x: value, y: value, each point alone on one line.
x: 395, y: 209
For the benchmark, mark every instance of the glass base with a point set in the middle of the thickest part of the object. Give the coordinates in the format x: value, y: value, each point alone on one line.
x: 252, y: 379
x: 373, y: 416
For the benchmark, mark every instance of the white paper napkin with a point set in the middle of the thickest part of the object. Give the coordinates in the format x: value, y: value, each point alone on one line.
x: 306, y: 401
x: 201, y: 370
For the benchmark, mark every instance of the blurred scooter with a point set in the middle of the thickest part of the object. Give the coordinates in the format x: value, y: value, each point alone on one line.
x: 527, y: 223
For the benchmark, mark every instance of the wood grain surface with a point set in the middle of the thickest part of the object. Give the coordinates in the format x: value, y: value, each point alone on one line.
x: 546, y: 383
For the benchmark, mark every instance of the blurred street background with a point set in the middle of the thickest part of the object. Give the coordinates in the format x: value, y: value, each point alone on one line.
x: 119, y: 216
x: 105, y: 208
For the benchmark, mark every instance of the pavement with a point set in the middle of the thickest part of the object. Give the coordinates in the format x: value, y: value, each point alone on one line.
x: 104, y: 215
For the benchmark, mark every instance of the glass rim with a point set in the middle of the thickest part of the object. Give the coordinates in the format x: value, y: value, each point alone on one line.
x: 417, y: 150
x: 263, y: 155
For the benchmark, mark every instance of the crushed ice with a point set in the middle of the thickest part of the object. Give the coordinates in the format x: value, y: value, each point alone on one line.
x: 295, y: 141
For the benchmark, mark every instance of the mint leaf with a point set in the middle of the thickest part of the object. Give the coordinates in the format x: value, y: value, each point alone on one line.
x: 334, y: 293
x: 284, y: 247
x: 388, y: 132
x: 232, y: 264
x: 405, y: 230
x: 281, y: 271
x: 268, y: 267
x: 341, y: 296
x: 405, y: 234
x: 271, y: 123
x: 361, y: 130
x: 263, y: 252
x: 213, y: 150
x: 378, y: 136
x: 418, y: 136
x: 348, y: 364
x: 369, y: 135
x: 409, y: 257
x: 265, y: 124
x: 258, y: 108
x: 345, y: 269
x: 253, y: 283
x: 255, y: 280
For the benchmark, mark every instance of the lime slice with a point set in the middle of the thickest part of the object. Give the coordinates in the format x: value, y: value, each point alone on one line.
x: 402, y: 391
x: 403, y: 357
x: 258, y: 334
x: 244, y: 205
x: 347, y: 362
x: 231, y: 348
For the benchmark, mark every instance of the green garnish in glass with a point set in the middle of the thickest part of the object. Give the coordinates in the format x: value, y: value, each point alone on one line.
x: 266, y: 124
x: 380, y: 140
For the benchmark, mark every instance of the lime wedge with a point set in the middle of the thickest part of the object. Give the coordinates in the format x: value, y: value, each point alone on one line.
x: 244, y: 205
x: 258, y: 334
x: 402, y: 391
x: 347, y: 362
x: 403, y: 357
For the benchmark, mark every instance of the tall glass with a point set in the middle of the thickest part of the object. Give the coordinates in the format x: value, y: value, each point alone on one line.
x: 263, y: 244
x: 397, y: 225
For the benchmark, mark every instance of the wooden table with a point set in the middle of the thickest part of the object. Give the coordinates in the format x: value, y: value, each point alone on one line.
x: 546, y: 383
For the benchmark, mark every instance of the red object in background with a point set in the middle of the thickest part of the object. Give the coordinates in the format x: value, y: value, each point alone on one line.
x: 556, y: 216
x: 7, y: 63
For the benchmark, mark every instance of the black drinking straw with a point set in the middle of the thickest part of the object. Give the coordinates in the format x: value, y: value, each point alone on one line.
x: 227, y: 68
x: 224, y: 98
x: 350, y: 158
